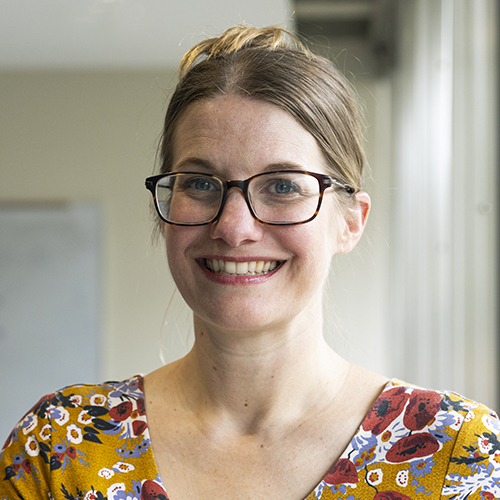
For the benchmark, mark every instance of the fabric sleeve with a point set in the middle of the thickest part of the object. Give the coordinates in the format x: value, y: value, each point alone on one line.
x: 474, y: 468
x: 25, y: 457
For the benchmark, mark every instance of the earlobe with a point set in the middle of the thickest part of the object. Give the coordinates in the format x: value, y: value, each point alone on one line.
x: 355, y: 221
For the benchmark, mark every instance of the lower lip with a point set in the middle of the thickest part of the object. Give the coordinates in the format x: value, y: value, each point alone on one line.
x: 237, y: 279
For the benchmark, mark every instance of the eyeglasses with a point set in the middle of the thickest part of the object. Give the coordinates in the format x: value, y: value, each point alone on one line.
x: 282, y: 198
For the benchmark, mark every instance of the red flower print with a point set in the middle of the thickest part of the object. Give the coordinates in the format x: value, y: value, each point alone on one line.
x: 139, y: 426
x: 140, y: 406
x: 414, y: 446
x: 27, y: 466
x: 151, y: 491
x: 390, y: 495
x: 343, y: 471
x: 387, y: 407
x: 121, y: 412
x: 421, y: 409
x: 488, y: 495
x: 71, y: 452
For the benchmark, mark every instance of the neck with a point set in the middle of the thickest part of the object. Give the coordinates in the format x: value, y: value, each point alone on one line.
x: 260, y: 380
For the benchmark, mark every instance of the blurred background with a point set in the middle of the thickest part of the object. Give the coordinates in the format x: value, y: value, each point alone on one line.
x: 83, y: 88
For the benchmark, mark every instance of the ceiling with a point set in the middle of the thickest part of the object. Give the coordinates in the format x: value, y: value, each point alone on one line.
x: 367, y: 27
x: 113, y: 34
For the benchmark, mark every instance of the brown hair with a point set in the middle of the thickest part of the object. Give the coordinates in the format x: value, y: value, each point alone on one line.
x: 272, y: 65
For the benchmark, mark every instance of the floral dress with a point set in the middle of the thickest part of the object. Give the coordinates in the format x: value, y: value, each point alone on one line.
x: 92, y: 442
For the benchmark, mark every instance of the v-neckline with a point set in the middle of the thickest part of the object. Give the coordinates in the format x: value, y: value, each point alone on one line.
x: 390, y: 383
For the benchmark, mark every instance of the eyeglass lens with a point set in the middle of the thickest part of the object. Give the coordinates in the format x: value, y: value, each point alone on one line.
x: 277, y: 197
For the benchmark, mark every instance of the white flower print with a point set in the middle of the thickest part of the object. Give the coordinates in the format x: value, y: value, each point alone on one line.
x: 60, y: 415
x: 84, y: 417
x: 484, y: 444
x: 98, y: 400
x: 74, y: 434
x: 29, y: 423
x: 45, y: 432
x: 402, y: 478
x: 76, y: 400
x: 32, y: 448
x: 495, y: 459
x: 123, y: 467
x: 106, y: 473
x: 113, y: 489
x: 458, y: 424
x: 469, y: 416
x: 491, y: 424
x: 374, y: 477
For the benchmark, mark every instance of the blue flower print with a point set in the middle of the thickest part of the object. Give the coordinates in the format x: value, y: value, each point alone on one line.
x: 422, y: 468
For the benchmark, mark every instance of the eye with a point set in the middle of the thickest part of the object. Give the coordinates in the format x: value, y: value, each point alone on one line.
x: 199, y: 184
x: 279, y: 186
x: 284, y: 186
x: 202, y: 184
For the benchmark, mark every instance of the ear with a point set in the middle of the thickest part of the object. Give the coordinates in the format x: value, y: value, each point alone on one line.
x: 355, y: 221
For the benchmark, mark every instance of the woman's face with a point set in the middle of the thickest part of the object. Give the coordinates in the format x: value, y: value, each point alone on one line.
x: 235, y: 138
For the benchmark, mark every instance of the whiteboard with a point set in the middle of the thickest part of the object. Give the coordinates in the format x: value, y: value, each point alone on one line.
x: 50, y: 263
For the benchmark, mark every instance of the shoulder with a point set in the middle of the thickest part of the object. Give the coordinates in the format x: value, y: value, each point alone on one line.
x: 419, y: 410
x: 78, y: 433
x: 443, y: 432
x: 56, y: 407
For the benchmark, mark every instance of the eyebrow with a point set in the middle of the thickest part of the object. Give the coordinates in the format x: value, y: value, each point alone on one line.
x: 205, y: 164
x: 211, y: 168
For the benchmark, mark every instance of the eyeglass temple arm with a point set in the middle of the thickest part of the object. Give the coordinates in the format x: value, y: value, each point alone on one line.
x: 330, y: 181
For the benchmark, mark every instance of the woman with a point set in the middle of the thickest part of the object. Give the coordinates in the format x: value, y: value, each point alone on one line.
x: 259, y: 186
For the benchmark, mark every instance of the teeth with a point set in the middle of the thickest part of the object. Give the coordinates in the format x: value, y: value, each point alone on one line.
x: 230, y: 267
x: 240, y: 268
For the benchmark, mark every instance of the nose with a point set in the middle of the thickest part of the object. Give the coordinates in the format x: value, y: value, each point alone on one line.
x: 236, y: 225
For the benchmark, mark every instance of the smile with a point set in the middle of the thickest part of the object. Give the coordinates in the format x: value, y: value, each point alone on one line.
x: 250, y: 268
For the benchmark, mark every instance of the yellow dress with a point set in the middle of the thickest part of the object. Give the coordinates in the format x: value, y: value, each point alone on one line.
x: 92, y: 442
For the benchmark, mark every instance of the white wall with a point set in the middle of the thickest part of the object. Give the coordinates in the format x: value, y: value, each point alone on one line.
x: 444, y: 237
x: 91, y: 137
x: 360, y: 281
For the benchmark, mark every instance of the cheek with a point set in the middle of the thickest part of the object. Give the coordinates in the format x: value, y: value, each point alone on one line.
x: 333, y: 225
x: 177, y: 241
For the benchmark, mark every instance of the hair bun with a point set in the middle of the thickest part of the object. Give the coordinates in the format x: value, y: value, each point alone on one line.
x: 235, y: 39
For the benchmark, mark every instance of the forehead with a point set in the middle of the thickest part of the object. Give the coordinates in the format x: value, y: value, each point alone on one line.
x: 237, y: 133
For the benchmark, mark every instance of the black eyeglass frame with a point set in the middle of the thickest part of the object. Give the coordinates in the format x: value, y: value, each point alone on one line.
x: 325, y: 181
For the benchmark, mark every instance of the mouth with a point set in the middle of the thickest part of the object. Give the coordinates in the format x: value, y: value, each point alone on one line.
x: 250, y: 268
